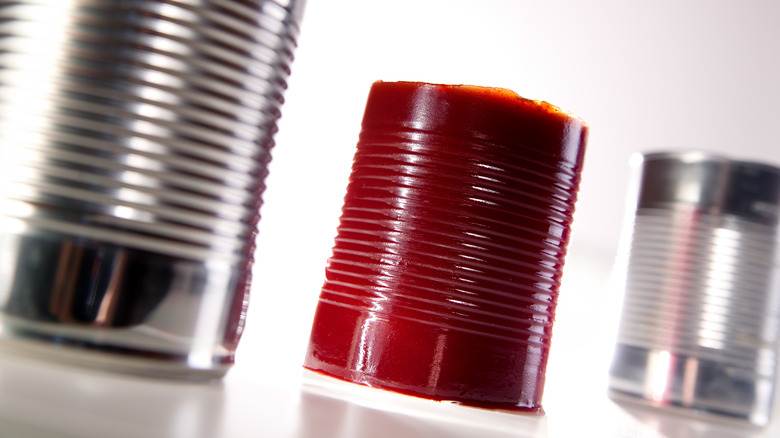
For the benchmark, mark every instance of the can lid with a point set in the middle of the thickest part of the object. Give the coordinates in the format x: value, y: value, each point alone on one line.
x: 712, y: 184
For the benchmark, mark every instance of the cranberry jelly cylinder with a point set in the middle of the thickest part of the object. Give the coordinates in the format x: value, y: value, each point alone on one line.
x: 445, y: 271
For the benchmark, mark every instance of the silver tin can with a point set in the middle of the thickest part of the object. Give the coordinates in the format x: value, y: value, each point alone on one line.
x: 134, y: 138
x: 699, y: 326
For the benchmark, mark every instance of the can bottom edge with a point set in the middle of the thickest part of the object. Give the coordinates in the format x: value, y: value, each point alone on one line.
x: 318, y: 384
x: 661, y: 379
x: 96, y: 357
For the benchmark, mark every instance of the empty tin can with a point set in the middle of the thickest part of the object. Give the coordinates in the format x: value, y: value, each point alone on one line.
x: 699, y: 326
x: 134, y: 138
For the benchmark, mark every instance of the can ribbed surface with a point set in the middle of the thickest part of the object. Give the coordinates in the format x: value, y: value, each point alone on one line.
x: 445, y: 272
x: 144, y: 123
x: 134, y: 139
x: 700, y: 326
x: 698, y: 286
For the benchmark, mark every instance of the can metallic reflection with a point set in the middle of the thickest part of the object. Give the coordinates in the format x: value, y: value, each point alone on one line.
x: 134, y: 138
x: 699, y: 326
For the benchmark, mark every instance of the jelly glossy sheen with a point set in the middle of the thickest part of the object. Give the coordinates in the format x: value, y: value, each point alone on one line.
x: 445, y: 272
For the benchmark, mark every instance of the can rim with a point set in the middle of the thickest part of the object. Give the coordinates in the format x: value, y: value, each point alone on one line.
x: 699, y: 156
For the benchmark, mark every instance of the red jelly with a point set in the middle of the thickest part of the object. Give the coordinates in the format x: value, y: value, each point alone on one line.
x: 445, y: 271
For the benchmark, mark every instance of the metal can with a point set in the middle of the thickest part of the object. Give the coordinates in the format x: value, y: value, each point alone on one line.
x: 699, y: 326
x: 134, y: 138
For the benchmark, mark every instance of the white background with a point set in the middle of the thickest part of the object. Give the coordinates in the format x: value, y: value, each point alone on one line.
x: 661, y: 75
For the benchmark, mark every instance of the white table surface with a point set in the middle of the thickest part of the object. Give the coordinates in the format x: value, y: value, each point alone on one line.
x: 44, y: 400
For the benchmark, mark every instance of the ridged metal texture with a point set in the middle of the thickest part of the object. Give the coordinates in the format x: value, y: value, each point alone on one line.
x: 134, y: 139
x: 700, y: 325
x: 702, y: 285
x: 144, y: 123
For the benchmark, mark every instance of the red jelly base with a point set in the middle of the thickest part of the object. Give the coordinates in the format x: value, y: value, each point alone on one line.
x: 416, y: 359
x: 445, y: 273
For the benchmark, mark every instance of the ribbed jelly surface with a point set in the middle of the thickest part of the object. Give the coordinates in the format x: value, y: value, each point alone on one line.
x: 450, y: 237
x: 445, y: 271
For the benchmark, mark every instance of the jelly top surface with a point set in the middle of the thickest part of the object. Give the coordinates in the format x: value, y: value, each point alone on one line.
x: 481, y: 113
